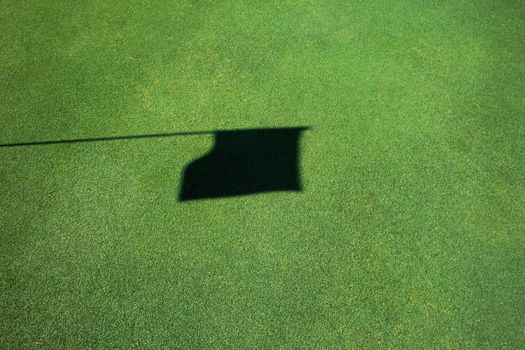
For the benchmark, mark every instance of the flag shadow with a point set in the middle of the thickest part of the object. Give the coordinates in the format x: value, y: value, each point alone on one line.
x: 244, y: 162
x: 241, y: 162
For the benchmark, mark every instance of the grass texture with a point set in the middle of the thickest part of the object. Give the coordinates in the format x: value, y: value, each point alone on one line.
x: 409, y: 232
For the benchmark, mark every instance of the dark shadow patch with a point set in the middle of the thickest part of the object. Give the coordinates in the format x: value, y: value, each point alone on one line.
x: 245, y: 162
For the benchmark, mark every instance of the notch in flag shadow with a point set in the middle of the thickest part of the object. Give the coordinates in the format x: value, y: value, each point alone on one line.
x: 244, y: 162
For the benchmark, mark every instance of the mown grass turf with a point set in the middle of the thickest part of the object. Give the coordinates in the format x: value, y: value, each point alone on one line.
x: 410, y: 229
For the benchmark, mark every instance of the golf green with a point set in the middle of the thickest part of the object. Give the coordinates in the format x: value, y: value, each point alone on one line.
x: 407, y: 229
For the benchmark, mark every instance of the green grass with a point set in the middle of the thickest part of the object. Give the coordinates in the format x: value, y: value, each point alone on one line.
x: 409, y: 232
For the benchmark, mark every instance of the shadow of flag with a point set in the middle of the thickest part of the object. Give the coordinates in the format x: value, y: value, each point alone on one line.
x: 245, y: 162
x: 241, y: 162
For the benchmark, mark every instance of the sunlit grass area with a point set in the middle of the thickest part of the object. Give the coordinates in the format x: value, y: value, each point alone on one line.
x: 408, y: 231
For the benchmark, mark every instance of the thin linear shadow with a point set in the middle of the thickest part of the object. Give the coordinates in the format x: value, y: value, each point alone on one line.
x: 241, y: 162
x: 105, y: 139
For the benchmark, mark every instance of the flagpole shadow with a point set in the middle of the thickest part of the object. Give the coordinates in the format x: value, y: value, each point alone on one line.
x: 104, y: 139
